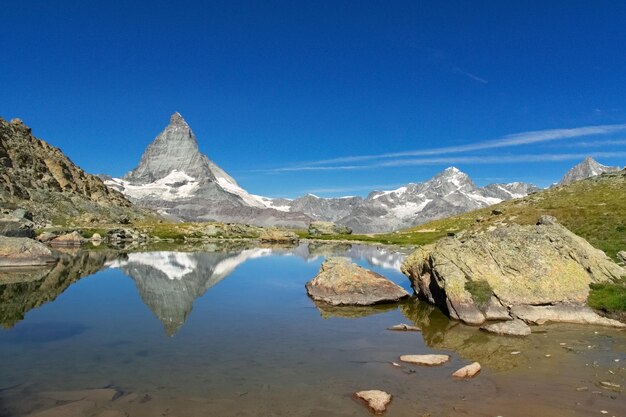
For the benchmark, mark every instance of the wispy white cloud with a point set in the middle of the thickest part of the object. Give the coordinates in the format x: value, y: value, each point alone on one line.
x: 451, y: 160
x: 349, y: 189
x: 470, y: 75
x: 512, y: 140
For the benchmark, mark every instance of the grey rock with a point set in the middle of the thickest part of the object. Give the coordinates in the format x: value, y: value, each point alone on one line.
x: 17, y: 251
x: 622, y: 255
x: 69, y: 239
x: 521, y: 265
x: 564, y: 313
x: 547, y: 220
x: 340, y: 282
x: 510, y: 328
x: 273, y: 235
x: 320, y: 228
x: 586, y: 169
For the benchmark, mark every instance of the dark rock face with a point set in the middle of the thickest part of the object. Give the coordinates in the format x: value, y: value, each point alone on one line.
x: 40, y: 178
x: 586, y: 169
x: 340, y: 282
x: 518, y: 267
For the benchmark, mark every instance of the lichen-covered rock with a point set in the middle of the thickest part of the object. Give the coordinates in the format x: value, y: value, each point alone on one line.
x: 340, y: 282
x: 18, y: 251
x: 320, y: 228
x: 274, y: 235
x: 520, y: 265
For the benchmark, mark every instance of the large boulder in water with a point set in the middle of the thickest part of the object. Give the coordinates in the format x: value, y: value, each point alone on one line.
x: 340, y: 282
x: 19, y: 251
x: 516, y: 265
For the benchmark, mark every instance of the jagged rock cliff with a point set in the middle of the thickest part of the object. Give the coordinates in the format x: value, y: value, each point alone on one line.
x: 39, y: 177
x: 586, y: 169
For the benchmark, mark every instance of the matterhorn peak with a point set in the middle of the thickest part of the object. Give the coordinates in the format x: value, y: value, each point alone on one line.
x: 177, y: 120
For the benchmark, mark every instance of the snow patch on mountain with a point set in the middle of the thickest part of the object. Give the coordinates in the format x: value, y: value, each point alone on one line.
x: 176, y: 185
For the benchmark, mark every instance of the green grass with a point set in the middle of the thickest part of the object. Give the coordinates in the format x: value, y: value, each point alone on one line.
x: 610, y: 297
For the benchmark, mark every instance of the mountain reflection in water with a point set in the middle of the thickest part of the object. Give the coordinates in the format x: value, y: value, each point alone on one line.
x: 168, y: 281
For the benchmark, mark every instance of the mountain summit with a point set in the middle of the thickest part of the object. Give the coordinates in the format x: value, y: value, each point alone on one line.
x: 589, y: 167
x: 176, y: 179
x: 175, y: 148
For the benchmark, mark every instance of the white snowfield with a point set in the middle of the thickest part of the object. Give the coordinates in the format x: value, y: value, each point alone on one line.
x: 175, y: 186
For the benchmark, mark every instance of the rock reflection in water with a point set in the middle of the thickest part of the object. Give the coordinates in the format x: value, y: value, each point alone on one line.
x: 24, y: 289
x: 329, y: 311
x: 471, y: 343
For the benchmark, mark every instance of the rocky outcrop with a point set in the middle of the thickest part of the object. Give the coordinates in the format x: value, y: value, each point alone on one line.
x: 18, y: 251
x: 320, y: 228
x: 273, y: 235
x: 69, y: 239
x: 586, y: 169
x: 16, y: 223
x: 40, y: 178
x: 340, y: 282
x: 514, y: 265
x: 622, y: 256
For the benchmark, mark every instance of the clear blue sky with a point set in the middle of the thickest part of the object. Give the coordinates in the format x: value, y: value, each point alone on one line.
x: 269, y: 85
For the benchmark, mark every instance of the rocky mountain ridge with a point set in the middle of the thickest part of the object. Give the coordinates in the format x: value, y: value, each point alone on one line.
x: 586, y: 169
x: 449, y: 192
x: 37, y: 176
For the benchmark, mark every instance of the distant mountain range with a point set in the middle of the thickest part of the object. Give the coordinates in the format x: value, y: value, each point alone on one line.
x: 178, y: 181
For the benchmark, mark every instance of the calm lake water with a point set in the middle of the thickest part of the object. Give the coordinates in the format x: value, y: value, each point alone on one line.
x: 230, y: 331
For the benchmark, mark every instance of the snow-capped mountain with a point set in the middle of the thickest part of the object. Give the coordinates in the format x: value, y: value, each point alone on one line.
x: 586, y: 169
x: 176, y: 179
x: 447, y: 193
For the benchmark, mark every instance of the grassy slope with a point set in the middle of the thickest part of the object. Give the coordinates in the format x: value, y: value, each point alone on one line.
x: 594, y: 209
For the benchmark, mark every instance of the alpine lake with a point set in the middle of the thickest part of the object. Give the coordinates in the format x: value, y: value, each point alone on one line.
x: 228, y: 330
